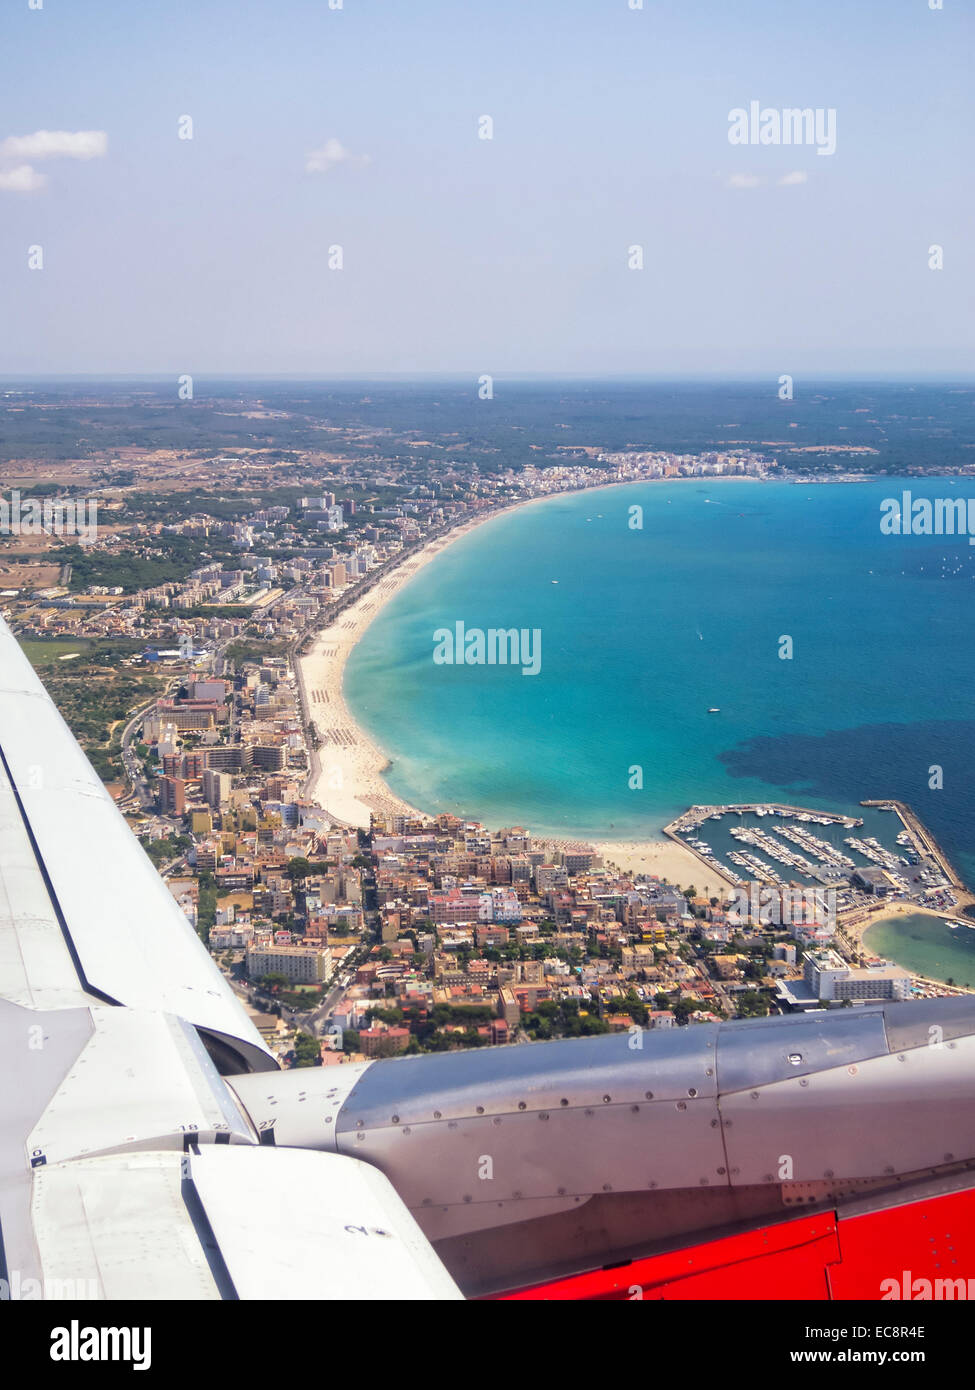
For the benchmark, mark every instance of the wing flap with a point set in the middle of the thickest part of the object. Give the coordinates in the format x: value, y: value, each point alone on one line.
x: 249, y: 1223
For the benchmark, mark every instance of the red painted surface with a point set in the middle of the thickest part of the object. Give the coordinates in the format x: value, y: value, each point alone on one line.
x: 925, y: 1240
x: 810, y: 1257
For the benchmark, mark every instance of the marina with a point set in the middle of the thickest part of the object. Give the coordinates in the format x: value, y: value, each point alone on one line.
x: 884, y: 854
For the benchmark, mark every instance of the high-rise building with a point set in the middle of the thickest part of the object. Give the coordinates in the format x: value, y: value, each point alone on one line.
x: 830, y: 978
x: 172, y: 796
x: 216, y: 787
x: 299, y: 964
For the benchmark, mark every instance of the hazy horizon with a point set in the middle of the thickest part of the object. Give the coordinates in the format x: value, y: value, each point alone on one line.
x: 810, y: 380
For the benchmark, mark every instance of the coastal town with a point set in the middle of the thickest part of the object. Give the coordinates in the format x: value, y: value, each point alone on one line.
x: 350, y: 924
x: 284, y: 546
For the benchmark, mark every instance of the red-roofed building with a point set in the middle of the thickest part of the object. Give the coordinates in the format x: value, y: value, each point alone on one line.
x: 619, y: 1023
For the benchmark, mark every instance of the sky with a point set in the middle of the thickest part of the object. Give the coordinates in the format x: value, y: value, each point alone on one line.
x: 358, y: 127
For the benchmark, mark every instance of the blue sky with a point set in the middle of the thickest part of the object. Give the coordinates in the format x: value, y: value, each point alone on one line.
x: 210, y: 255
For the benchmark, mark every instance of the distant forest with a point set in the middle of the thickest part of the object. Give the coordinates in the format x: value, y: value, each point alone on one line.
x: 912, y: 426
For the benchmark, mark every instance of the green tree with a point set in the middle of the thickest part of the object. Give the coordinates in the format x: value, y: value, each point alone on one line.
x: 307, y: 1051
x: 393, y: 1016
x: 752, y: 1004
x: 685, y: 1007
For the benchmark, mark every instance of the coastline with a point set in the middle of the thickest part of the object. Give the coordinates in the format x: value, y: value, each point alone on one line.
x: 347, y: 779
x: 348, y: 784
x: 890, y: 912
x: 662, y: 858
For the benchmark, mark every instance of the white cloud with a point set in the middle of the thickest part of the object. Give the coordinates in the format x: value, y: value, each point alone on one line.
x: 55, y: 144
x: 332, y: 153
x: 799, y: 176
x: 21, y: 179
x: 744, y: 181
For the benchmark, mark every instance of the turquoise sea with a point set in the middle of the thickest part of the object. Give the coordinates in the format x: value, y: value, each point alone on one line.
x: 645, y: 630
x: 925, y: 944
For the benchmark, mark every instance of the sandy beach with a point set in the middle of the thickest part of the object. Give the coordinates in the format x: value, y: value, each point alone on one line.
x: 664, y: 859
x: 350, y: 784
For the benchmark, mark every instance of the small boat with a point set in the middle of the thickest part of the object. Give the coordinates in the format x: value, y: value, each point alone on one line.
x: 714, y: 710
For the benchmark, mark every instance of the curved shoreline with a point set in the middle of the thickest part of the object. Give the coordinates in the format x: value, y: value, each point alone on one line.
x: 349, y: 782
x: 890, y: 914
x: 856, y: 933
